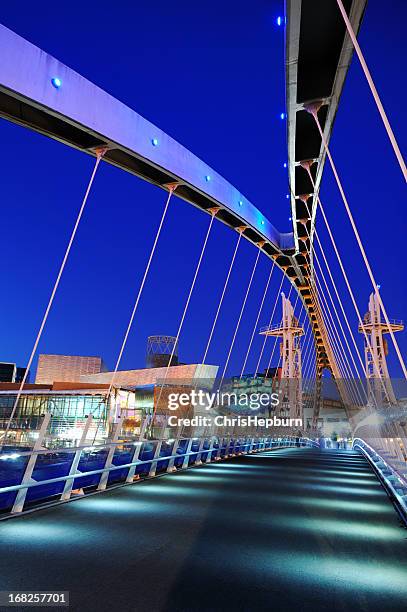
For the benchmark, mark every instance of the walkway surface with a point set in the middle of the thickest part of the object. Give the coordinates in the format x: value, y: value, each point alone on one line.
x: 293, y: 529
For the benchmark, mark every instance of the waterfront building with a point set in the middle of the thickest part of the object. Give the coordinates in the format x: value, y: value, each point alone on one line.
x: 53, y: 368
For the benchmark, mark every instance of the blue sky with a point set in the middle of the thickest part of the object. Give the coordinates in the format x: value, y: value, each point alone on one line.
x: 212, y: 76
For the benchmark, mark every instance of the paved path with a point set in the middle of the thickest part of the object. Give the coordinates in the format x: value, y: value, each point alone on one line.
x: 293, y: 529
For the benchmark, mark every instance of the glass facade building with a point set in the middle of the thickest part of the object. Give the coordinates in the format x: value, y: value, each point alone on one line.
x: 69, y: 412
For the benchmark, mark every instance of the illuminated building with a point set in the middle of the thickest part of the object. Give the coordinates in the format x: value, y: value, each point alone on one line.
x: 66, y: 367
x: 133, y: 395
x: 70, y: 404
x: 151, y: 376
x: 269, y: 381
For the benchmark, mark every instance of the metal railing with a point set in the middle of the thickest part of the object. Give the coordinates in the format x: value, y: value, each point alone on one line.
x: 394, y: 483
x: 165, y: 456
x: 280, y: 326
x: 367, y: 322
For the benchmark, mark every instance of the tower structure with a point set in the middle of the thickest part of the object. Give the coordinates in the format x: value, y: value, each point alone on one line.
x: 380, y: 389
x: 162, y: 351
x: 289, y: 330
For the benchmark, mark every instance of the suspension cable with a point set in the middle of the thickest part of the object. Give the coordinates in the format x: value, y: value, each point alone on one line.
x: 213, y: 214
x: 340, y: 304
x: 317, y: 305
x: 314, y: 113
x: 310, y: 357
x: 99, y: 155
x: 221, y: 298
x: 337, y: 341
x: 257, y: 318
x: 240, y: 317
x: 347, y: 282
x: 345, y: 317
x: 341, y: 352
x: 373, y: 89
x: 349, y: 369
x: 305, y: 342
x: 126, y: 335
x: 340, y: 301
x: 352, y: 297
x: 271, y: 319
x: 334, y: 307
x: 333, y: 333
x: 306, y: 352
x: 367, y: 340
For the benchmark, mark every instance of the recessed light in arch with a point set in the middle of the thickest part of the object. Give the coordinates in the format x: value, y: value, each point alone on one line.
x: 56, y: 82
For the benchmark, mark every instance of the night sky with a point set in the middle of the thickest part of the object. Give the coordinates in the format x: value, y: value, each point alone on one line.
x: 212, y: 76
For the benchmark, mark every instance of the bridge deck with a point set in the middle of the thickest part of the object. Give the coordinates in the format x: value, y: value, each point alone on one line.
x: 293, y: 529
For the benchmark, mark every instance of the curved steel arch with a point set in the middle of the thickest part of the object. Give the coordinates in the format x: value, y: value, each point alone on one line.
x: 82, y: 115
x: 318, y: 55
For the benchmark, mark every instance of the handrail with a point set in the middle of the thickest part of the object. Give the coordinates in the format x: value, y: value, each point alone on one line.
x: 394, y: 483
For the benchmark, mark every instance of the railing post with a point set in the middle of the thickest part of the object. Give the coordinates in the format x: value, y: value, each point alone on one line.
x: 153, y: 468
x: 187, y: 452
x: 219, y: 449
x: 136, y: 454
x: 171, y: 465
x: 66, y: 493
x: 200, y: 450
x: 244, y: 446
x: 143, y: 428
x: 228, y: 443
x: 105, y: 474
x: 210, y: 450
x: 22, y: 493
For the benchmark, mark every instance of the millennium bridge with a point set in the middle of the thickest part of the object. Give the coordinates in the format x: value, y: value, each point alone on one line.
x: 213, y: 516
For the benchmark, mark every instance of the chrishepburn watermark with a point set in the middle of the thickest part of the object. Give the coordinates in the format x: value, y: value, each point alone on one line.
x: 234, y: 421
x: 208, y: 400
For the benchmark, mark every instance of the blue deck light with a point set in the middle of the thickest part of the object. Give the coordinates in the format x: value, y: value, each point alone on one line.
x: 285, y: 165
x: 287, y: 195
x: 279, y: 20
x: 282, y: 116
x: 240, y: 203
x: 56, y: 82
x: 154, y: 142
x: 207, y: 178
